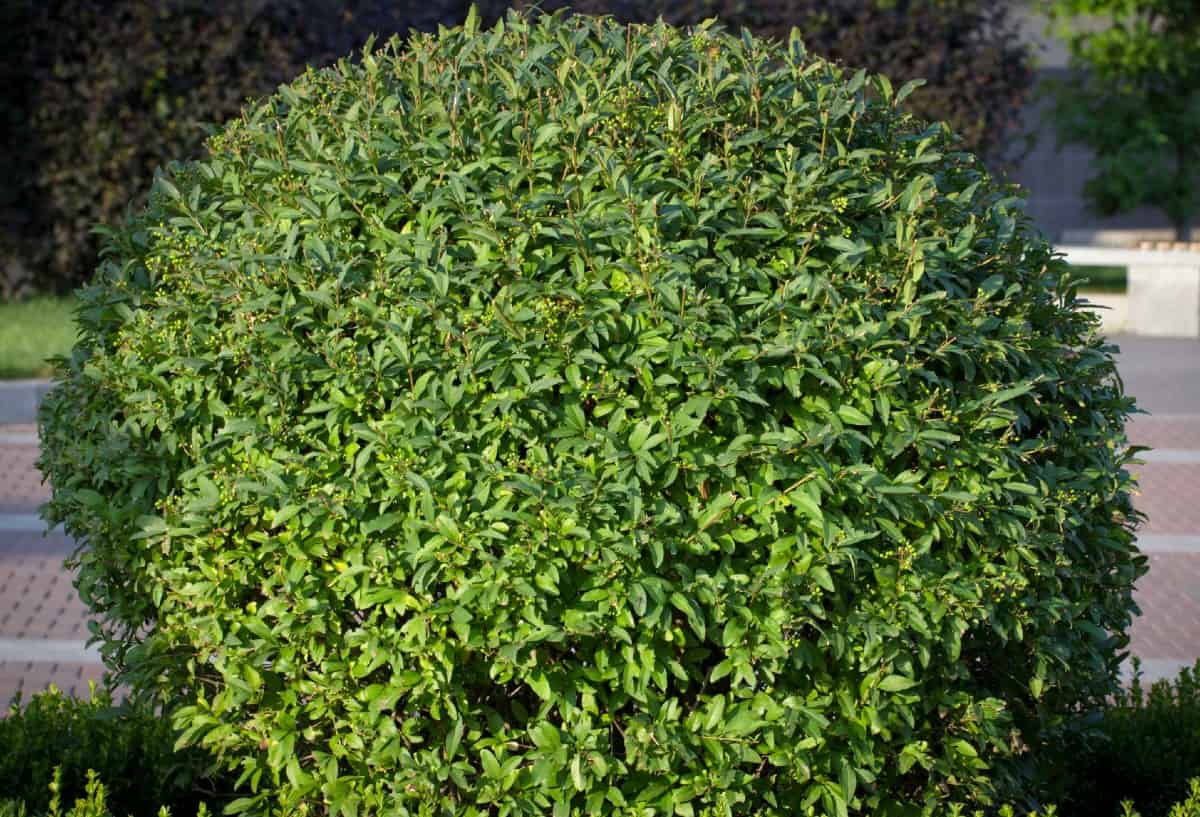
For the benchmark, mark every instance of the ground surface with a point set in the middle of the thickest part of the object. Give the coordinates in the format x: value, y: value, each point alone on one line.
x: 43, y: 628
x: 31, y: 331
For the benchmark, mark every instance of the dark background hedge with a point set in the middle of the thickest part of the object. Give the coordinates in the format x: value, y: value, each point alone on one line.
x: 95, y: 96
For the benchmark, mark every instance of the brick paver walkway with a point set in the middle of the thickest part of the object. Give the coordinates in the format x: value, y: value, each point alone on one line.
x: 43, y: 625
x: 21, y: 489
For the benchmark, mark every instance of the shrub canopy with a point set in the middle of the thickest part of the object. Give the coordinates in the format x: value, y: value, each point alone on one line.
x: 95, y: 96
x: 566, y: 418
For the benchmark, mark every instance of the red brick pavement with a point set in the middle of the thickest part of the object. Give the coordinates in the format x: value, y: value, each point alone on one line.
x: 36, y: 596
x: 1169, y: 495
x: 1167, y: 431
x: 1169, y: 596
x: 29, y: 677
x: 37, y: 601
x: 21, y: 488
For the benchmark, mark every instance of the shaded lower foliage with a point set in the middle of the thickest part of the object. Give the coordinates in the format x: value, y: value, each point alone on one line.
x: 1143, y: 747
x: 53, y: 737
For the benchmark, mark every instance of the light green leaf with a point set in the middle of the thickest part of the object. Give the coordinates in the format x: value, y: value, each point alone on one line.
x: 896, y: 683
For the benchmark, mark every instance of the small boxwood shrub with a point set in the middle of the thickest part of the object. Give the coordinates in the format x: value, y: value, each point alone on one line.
x: 55, y: 738
x: 1143, y: 747
x: 568, y: 418
x: 95, y: 802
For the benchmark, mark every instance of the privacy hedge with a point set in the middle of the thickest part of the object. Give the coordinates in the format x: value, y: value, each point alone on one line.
x: 566, y: 418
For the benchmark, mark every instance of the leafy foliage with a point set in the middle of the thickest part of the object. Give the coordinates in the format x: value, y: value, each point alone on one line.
x: 96, y: 96
x: 1141, y: 748
x: 55, y: 738
x: 1134, y: 100
x: 93, y: 803
x: 977, y: 70
x: 566, y: 418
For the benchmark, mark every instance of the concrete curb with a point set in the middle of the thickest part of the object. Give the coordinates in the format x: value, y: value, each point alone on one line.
x: 32, y: 523
x: 23, y: 650
x: 1147, y: 542
x: 19, y: 400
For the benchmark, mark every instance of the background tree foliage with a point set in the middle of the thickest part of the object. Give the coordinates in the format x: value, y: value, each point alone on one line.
x: 96, y: 96
x: 1134, y: 99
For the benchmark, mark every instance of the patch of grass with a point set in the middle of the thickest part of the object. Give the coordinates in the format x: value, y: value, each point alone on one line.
x: 1101, y: 279
x: 33, y: 330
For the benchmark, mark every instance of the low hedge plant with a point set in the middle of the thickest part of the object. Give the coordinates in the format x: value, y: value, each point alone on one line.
x: 1142, y: 747
x: 570, y: 418
x: 54, y: 738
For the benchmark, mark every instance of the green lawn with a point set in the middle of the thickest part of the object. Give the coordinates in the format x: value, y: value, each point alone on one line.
x: 1101, y: 279
x: 31, y: 331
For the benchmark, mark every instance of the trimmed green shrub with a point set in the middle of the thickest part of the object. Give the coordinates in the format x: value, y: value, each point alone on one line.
x: 54, y: 737
x: 93, y: 803
x: 977, y: 66
x: 566, y: 418
x: 1143, y: 747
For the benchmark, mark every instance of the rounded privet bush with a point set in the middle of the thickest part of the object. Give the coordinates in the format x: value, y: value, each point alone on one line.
x: 572, y: 419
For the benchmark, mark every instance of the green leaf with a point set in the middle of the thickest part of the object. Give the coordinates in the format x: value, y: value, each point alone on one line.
x: 577, y: 779
x: 382, y: 523
x: 637, y: 598
x: 896, y: 683
x: 639, y: 435
x: 848, y: 780
x: 733, y: 633
x: 906, y: 89
x: 807, y: 505
x: 545, y: 133
x: 1005, y: 395
x: 849, y: 414
x: 546, y: 737
x: 453, y: 739
x: 538, y: 683
x: 716, y: 509
x: 491, y: 766
x: 963, y: 748
x: 823, y: 579
x: 694, y: 618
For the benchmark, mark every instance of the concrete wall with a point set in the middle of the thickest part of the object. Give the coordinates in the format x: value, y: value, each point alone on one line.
x: 1163, y: 292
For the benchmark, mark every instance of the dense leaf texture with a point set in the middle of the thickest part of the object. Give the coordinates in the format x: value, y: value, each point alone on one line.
x: 1141, y: 748
x: 54, y: 737
x: 95, y: 96
x: 571, y: 419
x: 977, y: 66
